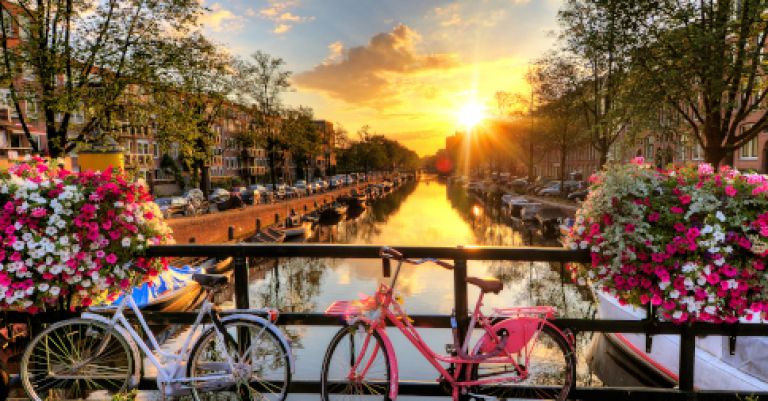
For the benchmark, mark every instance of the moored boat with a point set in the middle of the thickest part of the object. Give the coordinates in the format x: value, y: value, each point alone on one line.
x: 173, y: 290
x: 715, y: 368
x: 269, y: 234
x: 549, y: 219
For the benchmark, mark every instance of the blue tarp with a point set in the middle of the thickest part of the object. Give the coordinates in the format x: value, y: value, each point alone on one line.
x: 173, y: 279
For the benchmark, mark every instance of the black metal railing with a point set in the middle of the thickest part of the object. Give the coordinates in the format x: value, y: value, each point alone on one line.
x: 460, y: 255
x: 241, y: 254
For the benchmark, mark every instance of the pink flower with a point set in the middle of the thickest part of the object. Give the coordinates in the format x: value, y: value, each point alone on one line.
x: 111, y: 258
x: 676, y: 210
x: 629, y: 228
x: 685, y: 199
x: 705, y: 169
x: 638, y: 161
x: 653, y: 217
x: 731, y: 191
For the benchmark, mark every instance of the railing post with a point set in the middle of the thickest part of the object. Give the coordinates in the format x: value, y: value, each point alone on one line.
x: 460, y: 297
x: 231, y: 233
x: 241, y: 283
x: 386, y: 267
x: 687, y: 359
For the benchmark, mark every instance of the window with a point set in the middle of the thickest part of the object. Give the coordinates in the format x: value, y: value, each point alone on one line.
x: 648, y: 148
x: 697, y: 152
x: 142, y: 147
x: 156, y: 150
x: 749, y: 150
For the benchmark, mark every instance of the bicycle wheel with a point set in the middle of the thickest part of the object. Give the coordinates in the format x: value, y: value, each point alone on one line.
x: 551, y: 370
x: 75, y: 358
x: 261, y: 368
x: 370, y: 380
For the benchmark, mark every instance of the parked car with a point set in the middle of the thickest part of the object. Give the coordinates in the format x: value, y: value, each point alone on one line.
x: 333, y: 183
x: 301, y: 188
x: 265, y: 195
x: 195, y: 202
x: 579, y: 195
x: 218, y: 195
x: 250, y: 196
x: 550, y: 191
x: 322, y: 184
x: 171, y: 207
x: 349, y: 180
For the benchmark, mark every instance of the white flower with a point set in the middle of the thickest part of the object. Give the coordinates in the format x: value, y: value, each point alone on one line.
x: 720, y: 216
x: 126, y: 242
x: 54, y: 291
x: 43, y: 287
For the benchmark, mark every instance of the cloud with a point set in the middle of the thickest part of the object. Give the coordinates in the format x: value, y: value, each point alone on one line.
x: 278, y: 12
x: 219, y: 18
x: 456, y: 14
x: 370, y: 74
x: 448, y: 15
x: 336, y: 51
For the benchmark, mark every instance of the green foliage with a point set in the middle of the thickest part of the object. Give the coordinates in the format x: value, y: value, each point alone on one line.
x: 376, y: 152
x: 100, y: 49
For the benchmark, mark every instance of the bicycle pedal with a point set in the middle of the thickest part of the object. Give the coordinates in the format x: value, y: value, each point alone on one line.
x: 450, y: 349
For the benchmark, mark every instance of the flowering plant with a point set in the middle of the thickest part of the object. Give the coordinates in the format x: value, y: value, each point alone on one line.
x: 691, y: 241
x: 71, y: 239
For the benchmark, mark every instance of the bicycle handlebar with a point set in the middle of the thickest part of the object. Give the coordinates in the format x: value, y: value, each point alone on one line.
x: 390, y: 253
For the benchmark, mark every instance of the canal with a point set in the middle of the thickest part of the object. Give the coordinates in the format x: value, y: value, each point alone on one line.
x: 424, y: 212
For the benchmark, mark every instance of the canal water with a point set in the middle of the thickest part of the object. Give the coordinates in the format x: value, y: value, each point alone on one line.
x: 424, y: 212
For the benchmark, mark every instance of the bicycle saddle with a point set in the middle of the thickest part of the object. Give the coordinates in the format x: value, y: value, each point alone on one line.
x: 210, y: 280
x: 489, y: 284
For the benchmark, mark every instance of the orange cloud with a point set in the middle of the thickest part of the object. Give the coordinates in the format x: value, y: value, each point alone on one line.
x: 219, y: 17
x: 284, y: 20
x: 369, y: 74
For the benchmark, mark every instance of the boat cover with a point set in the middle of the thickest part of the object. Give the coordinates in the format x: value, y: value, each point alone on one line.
x: 166, y: 283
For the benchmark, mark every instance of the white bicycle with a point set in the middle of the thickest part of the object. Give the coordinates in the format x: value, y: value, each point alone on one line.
x: 241, y: 356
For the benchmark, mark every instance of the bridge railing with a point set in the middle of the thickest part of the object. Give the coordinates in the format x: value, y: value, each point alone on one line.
x: 241, y: 253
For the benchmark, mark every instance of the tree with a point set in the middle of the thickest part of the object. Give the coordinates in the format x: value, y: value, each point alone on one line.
x: 262, y: 81
x: 82, y: 56
x: 600, y: 33
x: 555, y: 80
x: 706, y: 60
x: 196, y: 84
x: 302, y: 137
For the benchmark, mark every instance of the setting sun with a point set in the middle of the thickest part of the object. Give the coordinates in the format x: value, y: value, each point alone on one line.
x: 471, y: 114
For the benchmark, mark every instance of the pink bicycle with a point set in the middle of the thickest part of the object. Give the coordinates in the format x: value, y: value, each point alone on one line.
x: 520, y: 354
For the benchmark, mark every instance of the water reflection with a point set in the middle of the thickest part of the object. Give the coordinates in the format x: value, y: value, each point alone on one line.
x: 425, y: 213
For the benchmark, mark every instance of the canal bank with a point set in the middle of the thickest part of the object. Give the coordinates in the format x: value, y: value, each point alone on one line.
x: 213, y: 228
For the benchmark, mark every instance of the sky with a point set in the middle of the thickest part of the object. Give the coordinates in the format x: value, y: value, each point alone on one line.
x: 406, y: 68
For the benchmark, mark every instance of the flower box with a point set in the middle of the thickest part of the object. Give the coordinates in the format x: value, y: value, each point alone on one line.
x: 691, y: 241
x: 68, y: 239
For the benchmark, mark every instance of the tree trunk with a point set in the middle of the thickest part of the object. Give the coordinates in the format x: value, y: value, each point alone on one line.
x: 563, y: 150
x: 716, y: 156
x: 271, y: 159
x: 56, y: 142
x: 205, y: 178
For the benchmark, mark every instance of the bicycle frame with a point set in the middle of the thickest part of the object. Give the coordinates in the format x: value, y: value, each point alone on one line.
x: 380, y: 309
x: 170, y: 366
x: 392, y: 312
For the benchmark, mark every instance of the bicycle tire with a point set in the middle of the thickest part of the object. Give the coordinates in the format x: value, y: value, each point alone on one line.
x: 270, y: 388
x: 68, y: 343
x: 335, y: 387
x: 550, y: 347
